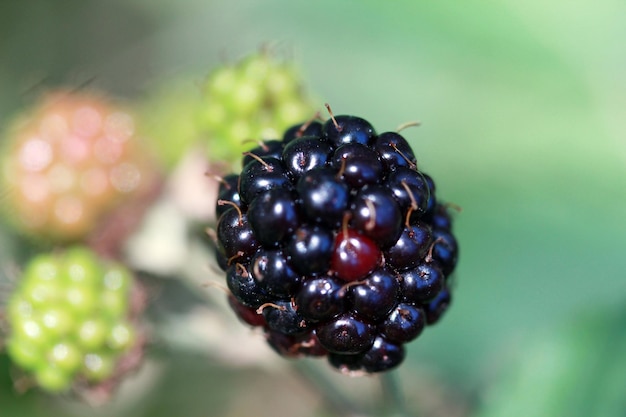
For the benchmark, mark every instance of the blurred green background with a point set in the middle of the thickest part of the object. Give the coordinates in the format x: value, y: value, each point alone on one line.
x: 522, y: 107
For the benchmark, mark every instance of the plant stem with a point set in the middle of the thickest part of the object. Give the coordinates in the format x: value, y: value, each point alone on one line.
x: 394, y: 404
x: 334, y: 399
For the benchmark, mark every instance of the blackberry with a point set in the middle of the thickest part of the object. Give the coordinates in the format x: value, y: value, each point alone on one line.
x: 256, y: 97
x: 333, y: 242
x: 71, y: 319
x: 69, y: 162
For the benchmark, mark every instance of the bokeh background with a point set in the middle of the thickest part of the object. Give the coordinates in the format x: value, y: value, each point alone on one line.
x: 522, y: 109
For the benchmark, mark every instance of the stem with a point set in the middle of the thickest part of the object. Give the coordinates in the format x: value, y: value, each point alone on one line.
x: 335, y: 400
x: 394, y: 404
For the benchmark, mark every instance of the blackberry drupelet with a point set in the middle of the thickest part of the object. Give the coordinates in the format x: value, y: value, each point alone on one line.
x: 335, y: 244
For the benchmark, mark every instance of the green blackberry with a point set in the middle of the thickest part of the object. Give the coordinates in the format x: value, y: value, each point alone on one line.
x: 255, y: 98
x: 70, y: 319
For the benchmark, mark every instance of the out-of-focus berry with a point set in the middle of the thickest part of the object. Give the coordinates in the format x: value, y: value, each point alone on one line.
x: 70, y: 319
x: 68, y: 161
x: 255, y: 98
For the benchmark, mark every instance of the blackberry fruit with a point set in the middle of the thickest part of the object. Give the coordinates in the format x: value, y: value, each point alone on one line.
x: 71, y: 319
x: 69, y: 162
x: 334, y: 243
x: 257, y: 97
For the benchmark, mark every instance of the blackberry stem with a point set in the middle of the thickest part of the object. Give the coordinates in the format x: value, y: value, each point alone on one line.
x: 394, y: 404
x: 334, y: 400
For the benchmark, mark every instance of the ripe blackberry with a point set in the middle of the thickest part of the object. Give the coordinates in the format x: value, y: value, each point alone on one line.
x: 334, y: 242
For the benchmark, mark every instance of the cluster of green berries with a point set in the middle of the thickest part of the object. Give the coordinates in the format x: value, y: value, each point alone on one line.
x: 256, y: 98
x: 69, y: 318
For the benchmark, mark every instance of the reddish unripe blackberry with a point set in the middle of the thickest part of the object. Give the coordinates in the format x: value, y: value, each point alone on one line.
x: 335, y: 244
x: 69, y: 162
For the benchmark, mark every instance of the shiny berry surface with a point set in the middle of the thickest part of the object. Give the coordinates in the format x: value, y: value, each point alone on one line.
x: 320, y: 299
x: 273, y: 216
x: 348, y: 129
x: 337, y: 245
x: 354, y: 255
x: 325, y: 197
x: 346, y: 335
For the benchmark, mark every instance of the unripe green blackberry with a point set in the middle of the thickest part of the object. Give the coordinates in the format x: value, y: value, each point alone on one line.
x: 69, y: 318
x: 67, y: 162
x: 255, y: 98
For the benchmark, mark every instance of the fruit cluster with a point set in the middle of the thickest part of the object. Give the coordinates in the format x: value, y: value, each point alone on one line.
x: 67, y: 162
x: 69, y: 318
x: 334, y: 242
x: 255, y: 98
